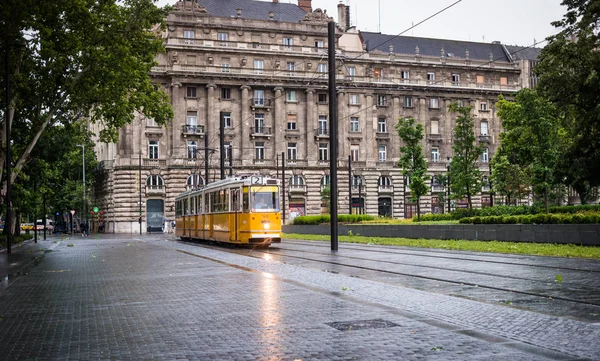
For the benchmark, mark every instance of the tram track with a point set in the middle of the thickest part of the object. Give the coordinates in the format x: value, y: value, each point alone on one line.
x: 275, y: 252
x: 393, y: 250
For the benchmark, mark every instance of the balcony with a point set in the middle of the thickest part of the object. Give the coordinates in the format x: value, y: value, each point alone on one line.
x: 485, y: 188
x: 382, y: 135
x: 385, y: 164
x: 260, y: 103
x: 298, y: 188
x: 193, y: 130
x: 260, y: 132
x: 484, y: 138
x: 386, y: 189
x: 296, y: 163
x: 154, y: 163
x: 434, y: 138
x: 155, y: 190
x: 436, y: 188
x: 322, y: 133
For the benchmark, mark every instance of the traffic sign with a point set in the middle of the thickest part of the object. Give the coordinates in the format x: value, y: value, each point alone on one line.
x: 72, y: 212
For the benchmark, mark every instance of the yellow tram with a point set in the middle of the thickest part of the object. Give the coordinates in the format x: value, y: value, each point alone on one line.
x: 240, y: 210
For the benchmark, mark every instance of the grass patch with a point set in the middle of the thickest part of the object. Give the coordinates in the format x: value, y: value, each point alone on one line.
x: 534, y: 249
x: 408, y: 222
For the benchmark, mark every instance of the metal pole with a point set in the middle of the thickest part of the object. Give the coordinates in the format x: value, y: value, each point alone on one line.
x: 350, y: 184
x: 230, y: 150
x: 333, y: 136
x: 222, y: 144
x: 83, y: 162
x: 44, y: 217
x: 360, y: 198
x: 277, y: 164
x: 140, y: 190
x: 7, y: 224
x: 490, y: 184
x: 35, y: 236
x: 283, y: 185
x: 206, y: 159
x: 449, y: 206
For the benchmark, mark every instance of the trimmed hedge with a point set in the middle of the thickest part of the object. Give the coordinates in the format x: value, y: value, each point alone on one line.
x: 430, y: 217
x: 576, y: 209
x: 325, y: 218
x: 542, y: 218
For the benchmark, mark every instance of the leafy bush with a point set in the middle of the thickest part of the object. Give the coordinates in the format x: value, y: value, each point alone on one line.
x: 576, y: 209
x: 430, y: 217
x: 542, y: 218
x: 325, y: 218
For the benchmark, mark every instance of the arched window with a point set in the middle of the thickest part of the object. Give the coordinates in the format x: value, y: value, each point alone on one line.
x: 358, y: 181
x: 155, y: 182
x: 385, y: 182
x: 296, y: 181
x: 194, y: 181
x: 325, y: 181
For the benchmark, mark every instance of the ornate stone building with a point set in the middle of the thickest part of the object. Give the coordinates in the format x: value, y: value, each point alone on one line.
x: 262, y: 67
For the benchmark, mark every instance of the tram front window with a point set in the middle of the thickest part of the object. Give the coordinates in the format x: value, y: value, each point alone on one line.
x: 265, y: 199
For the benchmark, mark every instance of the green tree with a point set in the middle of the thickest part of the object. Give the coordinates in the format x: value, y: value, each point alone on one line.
x: 326, y: 198
x: 532, y: 135
x: 411, y: 161
x: 464, y: 172
x: 79, y: 59
x: 569, y: 75
x: 508, y: 179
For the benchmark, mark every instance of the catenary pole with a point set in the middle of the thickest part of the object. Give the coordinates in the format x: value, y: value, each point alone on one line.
x: 283, y: 185
x: 140, y: 190
x: 333, y: 187
x: 222, y: 144
x: 8, y: 222
x: 349, y: 184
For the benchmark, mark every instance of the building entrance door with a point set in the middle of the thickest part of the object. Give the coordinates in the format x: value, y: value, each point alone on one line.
x: 385, y: 207
x: 155, y: 214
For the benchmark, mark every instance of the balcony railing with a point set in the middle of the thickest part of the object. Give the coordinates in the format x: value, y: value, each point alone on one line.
x: 193, y: 129
x: 151, y: 162
x: 484, y: 138
x: 298, y: 188
x: 386, y: 189
x: 260, y: 102
x: 296, y: 163
x: 437, y: 188
x: 322, y: 132
x: 155, y: 189
x: 260, y: 131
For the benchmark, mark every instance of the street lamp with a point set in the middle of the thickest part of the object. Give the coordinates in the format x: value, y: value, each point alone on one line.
x: 448, y: 168
x: 83, y: 210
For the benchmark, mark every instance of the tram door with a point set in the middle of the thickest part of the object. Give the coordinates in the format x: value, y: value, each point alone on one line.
x: 235, y: 208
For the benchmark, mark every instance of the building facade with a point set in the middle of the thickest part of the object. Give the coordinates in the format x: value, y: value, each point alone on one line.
x: 261, y: 68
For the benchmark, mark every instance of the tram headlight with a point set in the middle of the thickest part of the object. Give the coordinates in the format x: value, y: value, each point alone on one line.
x: 267, y: 225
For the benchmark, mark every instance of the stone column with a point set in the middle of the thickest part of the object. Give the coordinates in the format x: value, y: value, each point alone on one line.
x: 245, y: 151
x: 211, y: 125
x: 277, y: 124
x: 394, y: 152
x: 366, y: 150
x: 343, y: 127
x: 179, y: 107
x: 310, y: 126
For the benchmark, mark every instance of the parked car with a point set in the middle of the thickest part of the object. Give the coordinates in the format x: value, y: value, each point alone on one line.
x: 26, y: 226
x: 39, y: 225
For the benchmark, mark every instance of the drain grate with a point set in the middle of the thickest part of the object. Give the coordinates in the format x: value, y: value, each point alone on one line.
x: 361, y: 325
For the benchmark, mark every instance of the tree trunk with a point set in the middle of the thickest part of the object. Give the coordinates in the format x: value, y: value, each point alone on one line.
x: 419, y: 209
x: 546, y: 200
x: 16, y: 221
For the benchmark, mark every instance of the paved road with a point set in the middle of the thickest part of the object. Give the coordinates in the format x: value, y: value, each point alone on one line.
x: 151, y: 298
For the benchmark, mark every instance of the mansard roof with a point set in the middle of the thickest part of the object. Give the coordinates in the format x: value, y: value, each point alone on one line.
x: 433, y: 47
x: 523, y: 53
x: 257, y: 10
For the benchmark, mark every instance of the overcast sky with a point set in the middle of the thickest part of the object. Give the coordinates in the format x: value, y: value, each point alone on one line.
x: 513, y: 22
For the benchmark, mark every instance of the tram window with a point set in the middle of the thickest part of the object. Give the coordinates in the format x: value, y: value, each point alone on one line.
x: 193, y: 205
x: 265, y: 198
x: 199, y: 204
x: 245, y: 201
x: 186, y: 210
x: 206, y: 202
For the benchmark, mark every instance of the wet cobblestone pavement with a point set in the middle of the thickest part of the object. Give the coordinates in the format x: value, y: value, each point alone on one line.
x: 151, y: 298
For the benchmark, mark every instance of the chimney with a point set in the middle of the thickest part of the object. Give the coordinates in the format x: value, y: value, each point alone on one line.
x: 305, y: 5
x: 275, y: 1
x: 239, y: 12
x: 342, y: 21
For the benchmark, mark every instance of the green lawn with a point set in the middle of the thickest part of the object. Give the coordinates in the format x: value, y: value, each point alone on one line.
x: 536, y: 249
